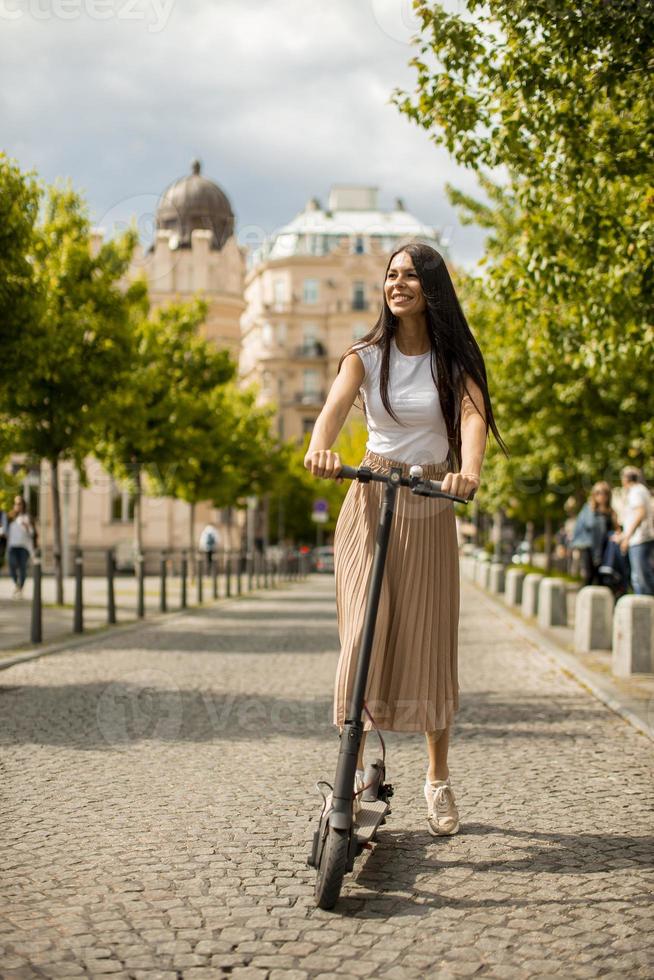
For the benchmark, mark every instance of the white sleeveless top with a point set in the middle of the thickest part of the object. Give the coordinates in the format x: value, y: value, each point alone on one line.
x: 414, y: 399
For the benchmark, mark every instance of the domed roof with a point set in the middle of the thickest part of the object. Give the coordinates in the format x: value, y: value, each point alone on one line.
x: 195, y: 202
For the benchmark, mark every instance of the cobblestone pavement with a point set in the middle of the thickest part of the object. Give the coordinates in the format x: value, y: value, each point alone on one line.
x: 159, y: 801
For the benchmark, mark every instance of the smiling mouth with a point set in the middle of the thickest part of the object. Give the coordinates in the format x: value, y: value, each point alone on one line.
x: 401, y: 299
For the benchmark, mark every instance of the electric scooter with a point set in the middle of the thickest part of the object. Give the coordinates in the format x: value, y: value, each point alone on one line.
x: 344, y: 830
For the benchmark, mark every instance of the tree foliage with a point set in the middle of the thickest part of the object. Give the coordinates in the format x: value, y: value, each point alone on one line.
x: 71, y: 347
x: 19, y: 205
x: 561, y: 97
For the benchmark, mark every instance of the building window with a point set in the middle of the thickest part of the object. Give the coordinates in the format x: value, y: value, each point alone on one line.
x: 307, y: 426
x: 309, y: 334
x: 279, y: 292
x: 310, y: 291
x: 280, y: 333
x: 122, y: 504
x: 358, y: 246
x: 359, y: 330
x: 267, y: 335
x: 310, y: 381
x: 359, y: 296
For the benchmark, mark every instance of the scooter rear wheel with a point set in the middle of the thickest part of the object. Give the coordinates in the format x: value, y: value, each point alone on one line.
x: 331, y: 872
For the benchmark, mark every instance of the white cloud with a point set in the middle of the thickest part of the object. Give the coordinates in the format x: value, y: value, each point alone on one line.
x: 279, y: 98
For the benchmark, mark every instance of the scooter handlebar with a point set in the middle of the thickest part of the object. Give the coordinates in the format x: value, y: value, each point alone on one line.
x: 352, y: 473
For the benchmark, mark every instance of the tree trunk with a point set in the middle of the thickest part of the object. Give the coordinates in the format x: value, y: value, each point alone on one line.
x: 281, y: 530
x: 56, y: 532
x: 138, y: 513
x: 192, y: 549
x: 78, y: 522
x: 529, y: 534
x: 497, y: 534
x: 548, y: 543
x: 476, y: 517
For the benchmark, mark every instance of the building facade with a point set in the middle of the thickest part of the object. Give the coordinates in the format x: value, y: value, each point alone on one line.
x: 313, y: 288
x: 286, y: 312
x: 194, y: 252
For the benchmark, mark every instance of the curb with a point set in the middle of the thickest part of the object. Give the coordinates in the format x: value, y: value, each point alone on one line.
x: 102, y: 632
x: 568, y: 664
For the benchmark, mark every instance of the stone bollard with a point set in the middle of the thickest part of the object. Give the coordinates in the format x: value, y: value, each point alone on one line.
x: 529, y: 603
x: 468, y: 565
x: 482, y: 571
x: 513, y: 586
x: 633, y: 635
x: 552, y: 610
x: 496, y: 578
x: 593, y: 618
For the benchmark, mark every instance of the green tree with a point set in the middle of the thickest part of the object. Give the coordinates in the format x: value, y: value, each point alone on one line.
x: 562, y: 99
x: 20, y: 196
x: 158, y: 423
x: 229, y: 451
x: 74, y: 348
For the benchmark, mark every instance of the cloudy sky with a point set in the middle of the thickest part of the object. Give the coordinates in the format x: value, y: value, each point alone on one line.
x: 278, y: 98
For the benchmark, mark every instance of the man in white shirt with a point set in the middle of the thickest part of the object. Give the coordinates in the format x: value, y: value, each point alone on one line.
x: 637, y: 536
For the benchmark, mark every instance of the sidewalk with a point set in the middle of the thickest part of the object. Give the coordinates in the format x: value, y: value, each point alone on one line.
x: 631, y: 697
x: 159, y: 801
x: 58, y: 621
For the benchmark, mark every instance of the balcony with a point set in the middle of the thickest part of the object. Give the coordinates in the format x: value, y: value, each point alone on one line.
x: 310, y: 350
x: 310, y: 397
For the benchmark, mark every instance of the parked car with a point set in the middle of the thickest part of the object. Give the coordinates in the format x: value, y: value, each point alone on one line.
x: 323, y: 559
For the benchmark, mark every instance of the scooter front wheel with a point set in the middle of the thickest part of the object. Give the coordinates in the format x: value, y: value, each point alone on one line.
x: 333, y: 864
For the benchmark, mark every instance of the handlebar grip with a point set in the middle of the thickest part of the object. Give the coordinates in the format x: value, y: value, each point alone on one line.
x: 438, y: 485
x: 348, y: 472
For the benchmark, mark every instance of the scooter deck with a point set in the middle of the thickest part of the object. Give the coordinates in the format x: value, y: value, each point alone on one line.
x: 369, y: 818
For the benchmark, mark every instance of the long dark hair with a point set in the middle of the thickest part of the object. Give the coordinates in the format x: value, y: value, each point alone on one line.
x: 454, y: 350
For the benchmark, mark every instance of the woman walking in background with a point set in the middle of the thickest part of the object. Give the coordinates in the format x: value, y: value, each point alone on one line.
x: 423, y: 384
x: 21, y: 541
x: 595, y: 524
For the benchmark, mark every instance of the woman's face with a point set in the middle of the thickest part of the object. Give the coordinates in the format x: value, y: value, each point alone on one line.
x: 402, y: 287
x: 18, y: 504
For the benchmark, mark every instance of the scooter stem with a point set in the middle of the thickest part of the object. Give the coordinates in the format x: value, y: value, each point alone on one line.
x: 341, y: 814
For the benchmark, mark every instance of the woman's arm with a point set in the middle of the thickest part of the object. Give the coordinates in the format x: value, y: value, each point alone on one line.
x: 319, y: 459
x: 473, y: 442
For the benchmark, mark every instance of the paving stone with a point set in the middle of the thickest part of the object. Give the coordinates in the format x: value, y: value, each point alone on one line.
x: 154, y: 857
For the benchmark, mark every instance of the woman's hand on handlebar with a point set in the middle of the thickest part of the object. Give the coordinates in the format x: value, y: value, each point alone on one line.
x: 460, y: 484
x: 324, y: 463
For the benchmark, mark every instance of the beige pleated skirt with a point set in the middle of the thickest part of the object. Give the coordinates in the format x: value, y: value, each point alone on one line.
x: 413, y: 678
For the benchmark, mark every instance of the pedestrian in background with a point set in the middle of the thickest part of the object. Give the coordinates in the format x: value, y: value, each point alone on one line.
x: 637, y: 536
x: 21, y: 542
x: 4, y: 527
x: 209, y: 543
x: 594, y: 526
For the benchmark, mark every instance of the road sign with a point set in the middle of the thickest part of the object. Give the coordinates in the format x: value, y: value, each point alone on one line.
x: 320, y: 512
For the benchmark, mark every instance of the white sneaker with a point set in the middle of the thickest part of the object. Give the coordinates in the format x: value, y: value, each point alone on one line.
x: 442, y: 813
